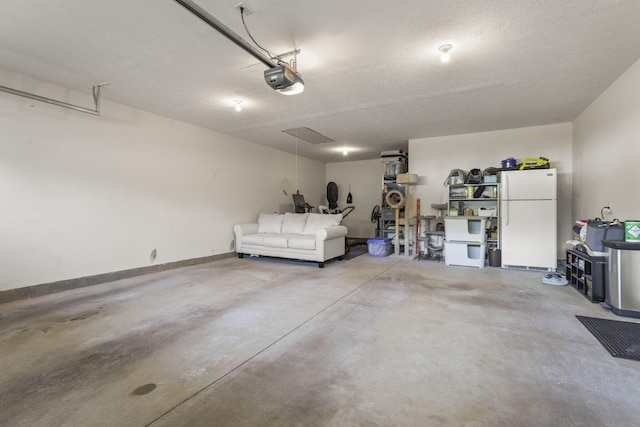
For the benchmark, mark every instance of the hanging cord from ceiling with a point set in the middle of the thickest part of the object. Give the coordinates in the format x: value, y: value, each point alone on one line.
x: 192, y: 7
x: 297, y: 188
x: 251, y: 37
x: 293, y: 63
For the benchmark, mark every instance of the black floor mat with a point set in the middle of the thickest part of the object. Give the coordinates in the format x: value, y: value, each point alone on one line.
x: 354, y: 253
x: 356, y: 241
x: 621, y: 339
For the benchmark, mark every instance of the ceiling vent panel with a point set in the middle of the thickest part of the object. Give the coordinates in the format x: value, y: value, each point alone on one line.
x: 308, y: 135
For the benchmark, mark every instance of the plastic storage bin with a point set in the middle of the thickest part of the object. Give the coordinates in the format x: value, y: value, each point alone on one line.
x: 632, y: 231
x: 466, y: 229
x: 466, y: 254
x: 380, y: 247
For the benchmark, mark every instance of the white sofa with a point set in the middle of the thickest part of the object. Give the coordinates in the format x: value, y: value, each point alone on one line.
x: 302, y: 236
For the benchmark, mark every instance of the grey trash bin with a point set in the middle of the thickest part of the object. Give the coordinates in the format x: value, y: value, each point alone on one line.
x: 495, y: 257
x: 622, y: 287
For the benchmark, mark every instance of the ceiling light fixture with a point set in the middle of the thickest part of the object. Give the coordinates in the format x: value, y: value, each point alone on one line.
x: 238, y: 105
x: 345, y: 150
x: 444, y: 52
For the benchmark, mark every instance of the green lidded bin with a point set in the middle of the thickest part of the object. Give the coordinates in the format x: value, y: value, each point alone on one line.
x: 632, y: 231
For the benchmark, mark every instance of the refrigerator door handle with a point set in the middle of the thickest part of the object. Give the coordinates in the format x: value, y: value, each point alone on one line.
x: 506, y: 186
x: 505, y: 179
x: 506, y: 213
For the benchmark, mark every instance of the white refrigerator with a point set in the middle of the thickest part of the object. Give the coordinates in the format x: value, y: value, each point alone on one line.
x: 528, y: 224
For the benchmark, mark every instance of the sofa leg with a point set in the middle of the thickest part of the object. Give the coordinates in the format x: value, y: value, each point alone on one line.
x: 321, y: 265
x: 240, y: 255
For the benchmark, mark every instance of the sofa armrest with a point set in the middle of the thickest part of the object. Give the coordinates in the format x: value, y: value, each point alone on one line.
x: 331, y: 232
x: 244, y: 229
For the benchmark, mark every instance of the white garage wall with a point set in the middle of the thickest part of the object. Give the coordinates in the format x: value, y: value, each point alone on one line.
x: 365, y: 178
x: 606, y: 151
x: 84, y: 195
x: 433, y: 158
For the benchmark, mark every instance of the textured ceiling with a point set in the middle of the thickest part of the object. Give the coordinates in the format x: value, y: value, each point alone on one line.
x: 371, y: 67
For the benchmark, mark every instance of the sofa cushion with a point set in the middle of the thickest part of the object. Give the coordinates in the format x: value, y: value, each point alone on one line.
x: 293, y: 223
x: 316, y: 222
x: 303, y: 242
x: 277, y: 240
x: 253, y: 239
x: 270, y: 223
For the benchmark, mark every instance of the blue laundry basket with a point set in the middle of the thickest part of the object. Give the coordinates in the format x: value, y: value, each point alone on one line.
x: 380, y: 247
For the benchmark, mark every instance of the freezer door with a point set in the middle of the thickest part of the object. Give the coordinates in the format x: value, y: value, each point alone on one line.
x: 528, y: 234
x: 534, y: 184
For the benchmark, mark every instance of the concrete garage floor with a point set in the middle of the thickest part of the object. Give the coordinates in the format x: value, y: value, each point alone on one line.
x: 364, y: 342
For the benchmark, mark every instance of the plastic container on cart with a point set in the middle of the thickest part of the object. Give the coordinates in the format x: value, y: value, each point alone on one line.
x: 466, y: 229
x: 465, y: 254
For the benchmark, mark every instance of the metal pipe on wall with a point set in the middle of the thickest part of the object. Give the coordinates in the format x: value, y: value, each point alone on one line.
x: 96, y: 99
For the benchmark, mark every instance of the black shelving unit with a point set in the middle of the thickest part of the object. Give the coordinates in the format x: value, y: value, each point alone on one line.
x: 586, y: 274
